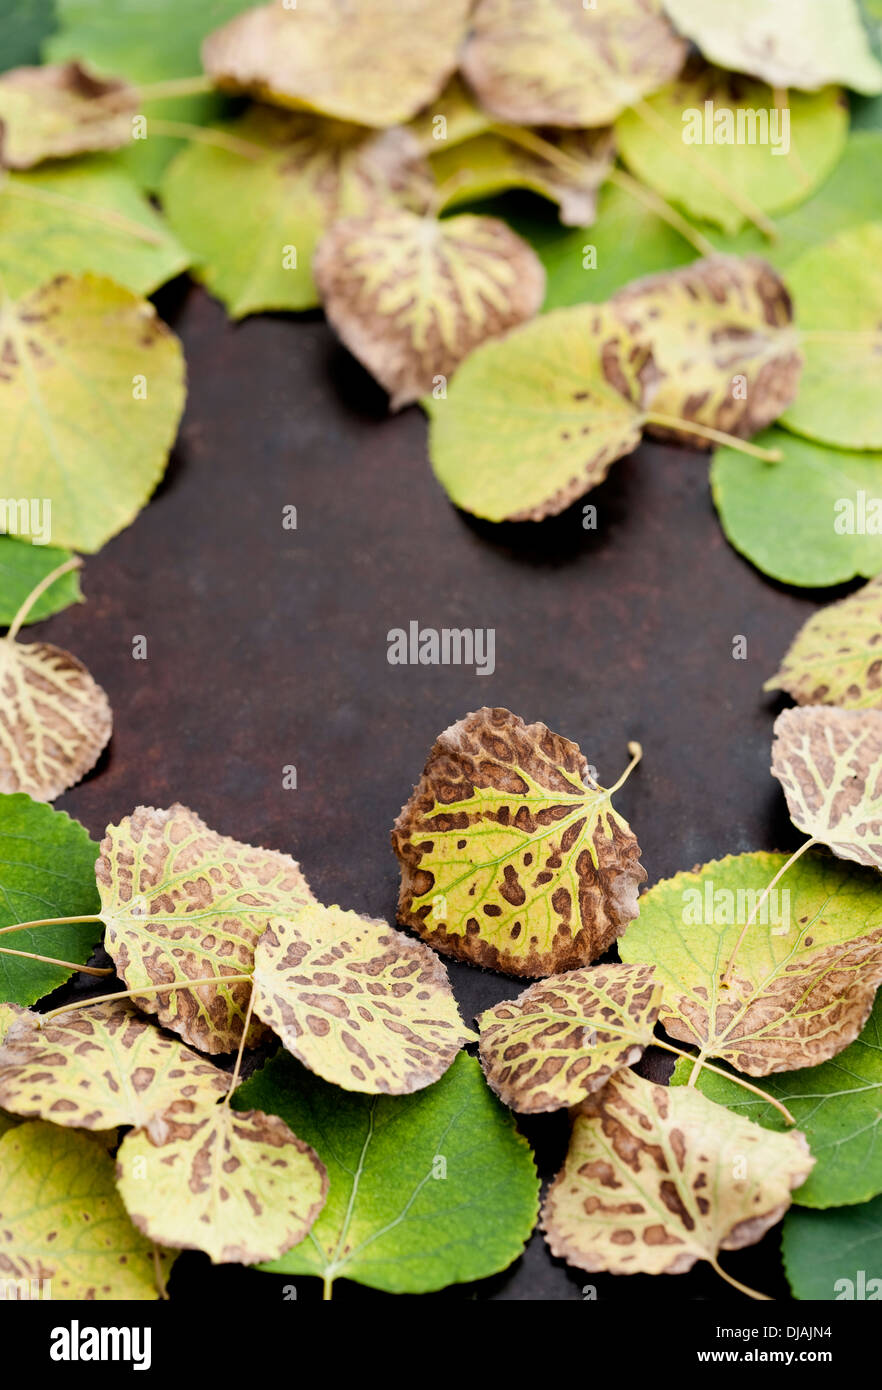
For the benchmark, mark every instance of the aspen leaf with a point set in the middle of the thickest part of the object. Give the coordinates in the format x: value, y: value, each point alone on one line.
x: 449, y: 119
x: 99, y: 1067
x: 22, y: 567
x: 9, y: 1014
x: 835, y: 659
x: 834, y: 1254
x: 315, y: 55
x: 558, y: 63
x: 657, y: 1178
x: 829, y: 763
x: 62, y: 1220
x: 563, y: 1038
x: 411, y: 296
x: 238, y: 1185
x: 355, y: 1001
x: 804, y: 978
x: 180, y: 901
x: 59, y: 110
x: 511, y: 854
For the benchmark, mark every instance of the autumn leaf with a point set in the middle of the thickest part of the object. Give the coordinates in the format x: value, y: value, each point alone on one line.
x: 427, y: 1190
x: 805, y: 976
x: 238, y: 1185
x: 181, y: 901
x: 411, y: 296
x: 98, y: 1067
x: 834, y: 1254
x: 449, y: 118
x: 511, y: 854
x: 355, y: 1001
x: 22, y: 567
x: 556, y: 63
x: 656, y: 1179
x: 255, y: 252
x: 314, y: 56
x: 59, y: 110
x: 62, y: 1221
x: 563, y: 1038
x: 833, y: 658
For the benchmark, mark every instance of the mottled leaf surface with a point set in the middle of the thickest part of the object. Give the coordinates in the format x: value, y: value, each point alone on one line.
x: 357, y: 1002
x: 836, y: 657
x: 829, y: 763
x: 426, y: 1190
x: 22, y: 567
x: 834, y: 1254
x: 511, y: 854
x: 59, y: 110
x: 563, y: 1038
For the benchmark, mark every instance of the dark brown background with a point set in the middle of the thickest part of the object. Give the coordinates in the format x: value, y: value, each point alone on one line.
x: 267, y: 647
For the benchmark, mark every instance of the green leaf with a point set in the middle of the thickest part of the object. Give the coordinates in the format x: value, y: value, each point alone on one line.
x: 255, y: 251
x: 24, y: 24
x: 835, y: 659
x: 427, y: 1190
x: 804, y: 979
x: 671, y: 150
x: 22, y: 567
x: 73, y: 427
x: 47, y: 869
x: 813, y: 518
x: 837, y: 289
x: 43, y: 234
x: 834, y: 1255
x: 61, y: 1219
x: 790, y: 43
x: 836, y: 1106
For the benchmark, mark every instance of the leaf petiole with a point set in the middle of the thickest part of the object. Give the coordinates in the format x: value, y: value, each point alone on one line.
x: 45, y: 583
x: 701, y: 1064
x: 731, y: 441
x: 66, y: 964
x: 168, y: 987
x: 755, y: 910
x: 79, y: 209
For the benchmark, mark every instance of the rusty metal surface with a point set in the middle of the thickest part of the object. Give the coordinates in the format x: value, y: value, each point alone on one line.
x: 267, y: 648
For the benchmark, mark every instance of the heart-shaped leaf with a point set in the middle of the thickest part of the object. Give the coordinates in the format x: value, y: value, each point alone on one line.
x: 551, y: 62
x: 565, y: 1037
x: 836, y: 657
x: 56, y: 111
x: 656, y: 1179
x: 313, y: 55
x: 804, y: 979
x: 411, y: 296
x: 355, y: 1001
x: 180, y: 901
x: 98, y: 1067
x: 238, y: 1185
x: 834, y: 1254
x: 511, y: 854
x: 22, y: 567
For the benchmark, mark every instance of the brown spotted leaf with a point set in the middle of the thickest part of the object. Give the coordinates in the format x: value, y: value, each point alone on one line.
x: 375, y: 63
x: 356, y: 1001
x: 181, y: 901
x: 54, y: 719
x: 721, y: 336
x: 563, y: 1038
x: 234, y: 1183
x: 829, y: 762
x: 411, y: 296
x: 556, y: 62
x: 656, y: 1179
x: 836, y: 657
x: 59, y: 110
x: 511, y: 854
x: 99, y: 1067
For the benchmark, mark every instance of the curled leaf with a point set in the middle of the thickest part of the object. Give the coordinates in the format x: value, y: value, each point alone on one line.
x: 355, y: 1001
x: 656, y: 1179
x: 563, y: 1038
x: 411, y: 296
x: 59, y: 110
x: 558, y: 63
x: 836, y: 657
x: 314, y: 56
x: 180, y: 901
x: 511, y: 854
x: 236, y: 1184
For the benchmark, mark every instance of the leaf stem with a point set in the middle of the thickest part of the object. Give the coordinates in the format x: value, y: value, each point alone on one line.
x: 657, y: 204
x: 67, y: 964
x: 327, y: 1288
x: 721, y: 1071
x: 755, y: 910
x: 238, y: 1067
x: 716, y: 436
x: 48, y: 922
x: 45, y: 583
x: 742, y: 1288
x: 636, y: 751
x: 176, y: 87
x: 157, y: 1274
x: 139, y: 993
x: 80, y: 209
x: 207, y: 135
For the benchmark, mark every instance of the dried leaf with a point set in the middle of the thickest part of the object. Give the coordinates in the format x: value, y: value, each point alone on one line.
x: 558, y: 63
x: 511, y: 855
x: 805, y: 976
x: 656, y: 1179
x: 829, y: 762
x: 833, y: 659
x: 722, y: 342
x: 180, y: 901
x: 62, y: 1221
x: 357, y: 1002
x: 315, y: 56
x: 411, y: 296
x: 22, y: 567
x: 59, y: 110
x: 565, y: 1037
x: 99, y: 1067
x: 236, y: 1184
